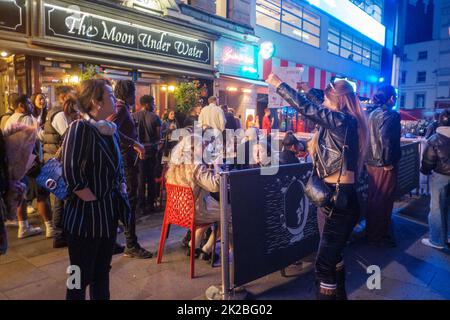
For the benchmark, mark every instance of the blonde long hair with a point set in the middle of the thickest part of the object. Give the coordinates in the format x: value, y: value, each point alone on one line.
x: 342, y: 95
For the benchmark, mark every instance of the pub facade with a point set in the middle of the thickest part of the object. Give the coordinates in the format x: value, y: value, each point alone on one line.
x: 46, y: 43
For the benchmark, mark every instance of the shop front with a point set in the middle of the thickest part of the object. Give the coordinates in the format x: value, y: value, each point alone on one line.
x: 238, y: 86
x: 65, y: 42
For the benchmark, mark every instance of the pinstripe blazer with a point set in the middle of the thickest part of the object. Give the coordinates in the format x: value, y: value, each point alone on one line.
x: 92, y: 160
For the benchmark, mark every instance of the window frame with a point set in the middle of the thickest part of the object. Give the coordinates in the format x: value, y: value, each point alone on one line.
x: 424, y: 78
x: 416, y: 95
x: 366, y: 54
x: 309, y: 36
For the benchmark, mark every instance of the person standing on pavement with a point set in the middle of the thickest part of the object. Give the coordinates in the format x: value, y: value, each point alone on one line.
x: 131, y: 150
x: 192, y: 116
x: 97, y: 196
x: 55, y: 126
x: 339, y: 144
x: 267, y: 123
x: 436, y: 162
x: 212, y: 116
x: 149, y: 133
x: 382, y: 158
x: 23, y: 114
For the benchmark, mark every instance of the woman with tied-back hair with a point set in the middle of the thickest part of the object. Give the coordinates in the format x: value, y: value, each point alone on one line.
x: 342, y: 126
x: 93, y: 170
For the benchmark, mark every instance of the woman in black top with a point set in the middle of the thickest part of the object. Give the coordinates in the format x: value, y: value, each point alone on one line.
x: 93, y: 170
x: 342, y: 124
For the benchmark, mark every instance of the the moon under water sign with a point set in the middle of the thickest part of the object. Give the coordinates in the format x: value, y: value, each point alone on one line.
x: 296, y: 208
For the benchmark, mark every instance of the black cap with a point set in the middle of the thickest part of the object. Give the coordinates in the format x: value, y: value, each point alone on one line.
x: 290, y: 139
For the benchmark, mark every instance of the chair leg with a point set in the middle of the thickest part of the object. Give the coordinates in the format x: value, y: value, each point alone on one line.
x: 192, y: 257
x: 162, y: 242
x: 213, y: 254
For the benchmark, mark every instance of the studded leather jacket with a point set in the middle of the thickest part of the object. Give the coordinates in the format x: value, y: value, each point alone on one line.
x: 332, y: 128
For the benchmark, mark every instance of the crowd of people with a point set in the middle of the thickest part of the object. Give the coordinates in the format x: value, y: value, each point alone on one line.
x: 111, y: 160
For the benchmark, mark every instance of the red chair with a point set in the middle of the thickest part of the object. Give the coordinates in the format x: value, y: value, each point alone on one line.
x: 180, y: 211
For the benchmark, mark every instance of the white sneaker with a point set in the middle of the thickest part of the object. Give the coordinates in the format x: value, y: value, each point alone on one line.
x: 427, y: 242
x: 50, y: 232
x: 11, y: 223
x: 30, y: 210
x: 28, y: 232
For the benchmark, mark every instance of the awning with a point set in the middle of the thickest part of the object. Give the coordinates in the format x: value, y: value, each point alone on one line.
x: 249, y: 81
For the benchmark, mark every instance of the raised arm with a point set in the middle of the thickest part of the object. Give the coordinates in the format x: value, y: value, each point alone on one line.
x: 311, y: 110
x: 307, y: 104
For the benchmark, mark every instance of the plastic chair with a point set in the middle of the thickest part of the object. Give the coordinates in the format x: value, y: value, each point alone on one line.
x: 180, y: 211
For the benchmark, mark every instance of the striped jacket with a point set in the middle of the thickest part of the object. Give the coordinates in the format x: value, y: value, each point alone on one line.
x: 92, y: 160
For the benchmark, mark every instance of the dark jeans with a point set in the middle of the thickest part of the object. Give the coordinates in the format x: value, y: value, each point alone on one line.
x: 336, y: 232
x: 382, y: 185
x: 146, y: 182
x: 93, y: 257
x: 58, y: 211
x: 131, y: 175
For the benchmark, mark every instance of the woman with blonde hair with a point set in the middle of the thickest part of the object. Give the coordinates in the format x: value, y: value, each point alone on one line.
x: 186, y: 168
x: 338, y: 151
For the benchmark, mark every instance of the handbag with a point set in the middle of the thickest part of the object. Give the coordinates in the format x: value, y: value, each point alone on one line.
x: 321, y: 195
x: 52, y: 180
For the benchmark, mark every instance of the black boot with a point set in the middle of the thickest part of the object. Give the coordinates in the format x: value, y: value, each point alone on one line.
x: 341, y: 293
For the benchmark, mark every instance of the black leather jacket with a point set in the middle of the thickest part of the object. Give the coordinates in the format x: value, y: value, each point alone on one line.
x: 384, y: 134
x: 436, y: 156
x: 332, y: 129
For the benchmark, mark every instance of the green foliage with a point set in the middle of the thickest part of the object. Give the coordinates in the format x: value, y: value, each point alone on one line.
x: 187, y: 95
x: 90, y: 71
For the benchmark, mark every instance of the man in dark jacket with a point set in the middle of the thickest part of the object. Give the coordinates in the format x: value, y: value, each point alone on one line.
x: 382, y: 158
x: 436, y: 162
x: 125, y: 92
x: 291, y: 146
x: 149, y: 132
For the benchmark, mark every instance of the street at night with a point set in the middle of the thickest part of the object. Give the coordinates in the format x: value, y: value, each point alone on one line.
x: 238, y: 152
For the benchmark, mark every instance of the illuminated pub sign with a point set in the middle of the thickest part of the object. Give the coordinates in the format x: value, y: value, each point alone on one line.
x: 13, y: 15
x: 71, y: 23
x: 236, y: 58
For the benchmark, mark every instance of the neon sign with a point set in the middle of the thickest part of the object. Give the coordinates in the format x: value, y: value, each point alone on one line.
x: 236, y: 58
x: 230, y: 55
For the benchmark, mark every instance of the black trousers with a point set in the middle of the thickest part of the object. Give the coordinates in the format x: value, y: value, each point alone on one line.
x: 147, y: 182
x: 336, y: 232
x: 58, y: 210
x: 93, y: 257
x: 131, y: 175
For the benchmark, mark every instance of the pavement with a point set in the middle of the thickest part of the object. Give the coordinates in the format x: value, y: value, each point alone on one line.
x: 32, y: 269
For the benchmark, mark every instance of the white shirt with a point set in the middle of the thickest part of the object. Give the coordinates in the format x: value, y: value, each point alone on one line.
x: 28, y: 120
x: 60, y: 123
x: 212, y: 116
